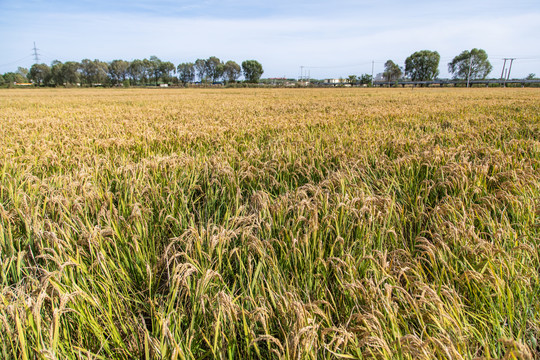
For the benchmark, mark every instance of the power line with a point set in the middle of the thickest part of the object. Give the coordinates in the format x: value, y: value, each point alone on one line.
x: 16, y: 61
x: 530, y: 60
x: 48, y: 55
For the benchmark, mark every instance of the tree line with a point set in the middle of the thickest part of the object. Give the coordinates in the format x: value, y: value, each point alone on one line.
x: 420, y: 66
x: 424, y: 66
x: 152, y: 71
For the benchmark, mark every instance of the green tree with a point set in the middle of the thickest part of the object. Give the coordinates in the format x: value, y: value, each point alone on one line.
x: 118, y: 71
x: 136, y: 71
x: 70, y: 72
x: 57, y: 77
x: 23, y: 71
x: 392, y: 71
x: 531, y: 76
x: 352, y: 79
x: 186, y: 72
x: 423, y: 65
x: 153, y: 68
x: 87, y: 71
x: 252, y: 70
x: 366, y: 79
x: 2, y: 81
x: 39, y: 74
x: 476, y: 59
x: 231, y: 71
x: 148, y: 71
x: 101, y: 76
x: 214, y: 68
x: 14, y: 77
x: 167, y: 69
x: 94, y: 72
x: 200, y: 67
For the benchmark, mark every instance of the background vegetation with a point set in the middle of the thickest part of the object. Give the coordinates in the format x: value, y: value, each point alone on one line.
x: 152, y: 71
x: 420, y: 66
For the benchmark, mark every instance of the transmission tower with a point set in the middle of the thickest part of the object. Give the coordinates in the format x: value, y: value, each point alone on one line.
x: 36, y: 55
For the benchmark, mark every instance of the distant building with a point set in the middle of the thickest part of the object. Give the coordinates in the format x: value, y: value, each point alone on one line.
x: 334, y: 81
x: 340, y: 81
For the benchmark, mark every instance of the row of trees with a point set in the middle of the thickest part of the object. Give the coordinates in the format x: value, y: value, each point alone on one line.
x: 364, y: 79
x: 424, y: 66
x: 420, y: 66
x: 14, y: 77
x: 137, y: 72
x: 213, y: 69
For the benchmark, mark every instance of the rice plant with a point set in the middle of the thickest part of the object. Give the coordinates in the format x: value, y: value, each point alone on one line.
x: 270, y: 224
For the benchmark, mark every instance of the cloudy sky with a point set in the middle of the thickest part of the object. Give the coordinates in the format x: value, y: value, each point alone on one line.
x: 330, y: 38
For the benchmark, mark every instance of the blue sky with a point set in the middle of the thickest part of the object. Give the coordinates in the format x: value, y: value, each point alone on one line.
x: 330, y: 38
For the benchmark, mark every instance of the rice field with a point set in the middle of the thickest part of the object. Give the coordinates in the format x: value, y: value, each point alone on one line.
x: 270, y: 224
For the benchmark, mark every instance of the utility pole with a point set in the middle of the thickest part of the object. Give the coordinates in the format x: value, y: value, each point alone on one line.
x: 301, y: 74
x: 506, y: 75
x: 372, y: 68
x: 510, y: 68
x: 504, y: 65
x: 36, y: 55
x: 469, y: 74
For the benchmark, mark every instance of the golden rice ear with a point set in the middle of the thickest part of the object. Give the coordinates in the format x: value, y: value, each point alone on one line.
x: 516, y: 350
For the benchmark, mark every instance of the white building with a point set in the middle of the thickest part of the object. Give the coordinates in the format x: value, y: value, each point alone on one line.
x: 335, y: 81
